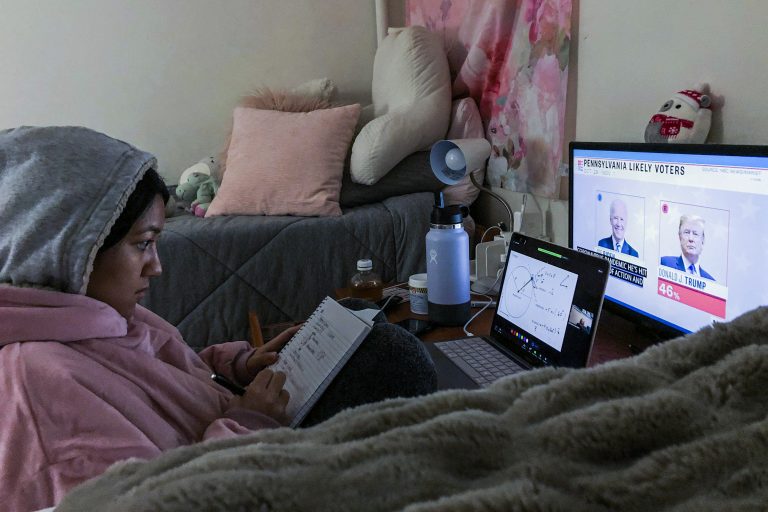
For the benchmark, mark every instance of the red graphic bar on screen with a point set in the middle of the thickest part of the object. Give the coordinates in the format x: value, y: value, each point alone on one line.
x: 694, y: 298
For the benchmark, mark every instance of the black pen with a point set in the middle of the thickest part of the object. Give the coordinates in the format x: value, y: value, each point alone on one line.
x: 223, y: 381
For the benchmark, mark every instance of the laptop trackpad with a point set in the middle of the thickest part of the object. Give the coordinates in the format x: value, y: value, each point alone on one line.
x: 449, y: 376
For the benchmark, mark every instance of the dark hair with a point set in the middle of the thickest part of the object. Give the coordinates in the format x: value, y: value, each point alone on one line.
x: 138, y: 202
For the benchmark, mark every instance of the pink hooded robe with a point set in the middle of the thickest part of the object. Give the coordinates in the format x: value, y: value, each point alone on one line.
x: 82, y: 387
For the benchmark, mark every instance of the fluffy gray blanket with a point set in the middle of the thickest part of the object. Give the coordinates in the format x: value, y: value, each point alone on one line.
x: 679, y: 427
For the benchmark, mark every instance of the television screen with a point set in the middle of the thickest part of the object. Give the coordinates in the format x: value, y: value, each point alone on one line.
x: 683, y: 226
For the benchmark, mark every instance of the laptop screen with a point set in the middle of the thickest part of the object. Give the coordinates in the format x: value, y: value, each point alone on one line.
x: 549, y: 302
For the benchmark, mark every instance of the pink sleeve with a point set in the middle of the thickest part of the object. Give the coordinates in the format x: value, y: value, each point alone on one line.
x: 229, y: 360
x: 238, y: 422
x: 52, y: 482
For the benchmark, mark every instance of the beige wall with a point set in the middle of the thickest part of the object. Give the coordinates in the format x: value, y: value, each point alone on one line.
x: 632, y: 55
x: 165, y: 74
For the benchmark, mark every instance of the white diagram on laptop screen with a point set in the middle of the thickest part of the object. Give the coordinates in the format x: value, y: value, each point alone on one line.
x: 537, y: 297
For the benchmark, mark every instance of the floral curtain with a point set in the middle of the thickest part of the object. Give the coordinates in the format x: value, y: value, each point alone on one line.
x: 511, y: 57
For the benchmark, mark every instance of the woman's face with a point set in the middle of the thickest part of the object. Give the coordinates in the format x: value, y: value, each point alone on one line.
x: 121, y: 273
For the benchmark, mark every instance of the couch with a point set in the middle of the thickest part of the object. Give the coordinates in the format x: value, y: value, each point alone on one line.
x: 217, y: 270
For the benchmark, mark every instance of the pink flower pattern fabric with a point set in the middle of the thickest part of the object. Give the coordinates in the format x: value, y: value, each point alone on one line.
x: 511, y: 57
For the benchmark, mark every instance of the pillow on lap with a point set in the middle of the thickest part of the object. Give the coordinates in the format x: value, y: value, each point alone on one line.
x: 285, y: 163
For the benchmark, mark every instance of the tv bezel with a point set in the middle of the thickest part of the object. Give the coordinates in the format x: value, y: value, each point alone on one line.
x: 660, y: 329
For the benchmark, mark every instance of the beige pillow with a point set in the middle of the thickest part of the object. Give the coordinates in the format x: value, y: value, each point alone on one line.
x: 285, y: 163
x: 466, y: 123
x: 411, y: 94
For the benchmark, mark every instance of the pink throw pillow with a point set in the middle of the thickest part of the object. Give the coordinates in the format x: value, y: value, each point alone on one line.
x: 466, y: 123
x: 285, y: 163
x: 264, y: 98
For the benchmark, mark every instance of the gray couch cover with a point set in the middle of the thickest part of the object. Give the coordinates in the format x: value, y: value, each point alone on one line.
x: 216, y: 270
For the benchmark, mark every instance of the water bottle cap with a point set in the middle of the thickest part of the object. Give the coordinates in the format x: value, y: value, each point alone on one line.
x: 451, y: 214
x: 364, y: 264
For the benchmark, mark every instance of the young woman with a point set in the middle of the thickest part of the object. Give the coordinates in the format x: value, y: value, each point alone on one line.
x: 89, y: 377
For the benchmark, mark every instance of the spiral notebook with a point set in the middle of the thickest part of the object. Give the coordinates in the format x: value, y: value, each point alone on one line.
x: 321, y: 348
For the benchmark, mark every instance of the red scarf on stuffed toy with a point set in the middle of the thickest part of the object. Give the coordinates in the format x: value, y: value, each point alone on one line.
x: 670, y: 126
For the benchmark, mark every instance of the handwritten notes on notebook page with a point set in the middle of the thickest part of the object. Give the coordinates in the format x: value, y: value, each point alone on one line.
x: 315, y: 354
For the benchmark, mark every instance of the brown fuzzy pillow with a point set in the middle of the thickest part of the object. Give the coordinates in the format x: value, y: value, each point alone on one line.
x: 264, y: 98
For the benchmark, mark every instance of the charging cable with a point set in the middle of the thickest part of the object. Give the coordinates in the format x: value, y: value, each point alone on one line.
x: 384, y: 306
x: 487, y: 304
x: 543, y: 213
x: 396, y: 285
x: 518, y: 227
x: 482, y: 237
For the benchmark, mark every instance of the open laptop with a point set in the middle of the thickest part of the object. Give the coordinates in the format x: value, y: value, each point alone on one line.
x: 548, y: 307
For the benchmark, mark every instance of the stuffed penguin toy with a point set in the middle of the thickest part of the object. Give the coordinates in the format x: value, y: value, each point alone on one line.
x: 683, y: 119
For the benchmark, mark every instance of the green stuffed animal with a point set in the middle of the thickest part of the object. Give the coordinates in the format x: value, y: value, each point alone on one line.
x: 198, y: 185
x: 205, y: 194
x: 187, y: 191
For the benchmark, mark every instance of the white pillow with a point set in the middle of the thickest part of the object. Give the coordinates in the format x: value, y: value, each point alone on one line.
x: 411, y: 94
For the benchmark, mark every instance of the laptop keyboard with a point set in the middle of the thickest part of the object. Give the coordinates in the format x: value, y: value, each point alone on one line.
x: 479, y: 360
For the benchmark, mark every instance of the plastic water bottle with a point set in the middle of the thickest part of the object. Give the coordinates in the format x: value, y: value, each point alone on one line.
x: 366, y: 284
x: 448, y: 300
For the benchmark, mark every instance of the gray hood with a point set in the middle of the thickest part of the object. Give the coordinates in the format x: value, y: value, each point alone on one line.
x: 61, y: 190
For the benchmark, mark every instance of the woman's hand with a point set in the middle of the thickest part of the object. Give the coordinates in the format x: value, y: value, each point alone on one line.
x: 266, y: 354
x: 265, y: 394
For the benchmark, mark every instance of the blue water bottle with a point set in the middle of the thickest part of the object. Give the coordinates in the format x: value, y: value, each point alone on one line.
x: 448, y: 301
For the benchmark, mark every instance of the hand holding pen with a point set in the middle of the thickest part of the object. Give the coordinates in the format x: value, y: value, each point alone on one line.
x: 226, y: 383
x: 265, y: 394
